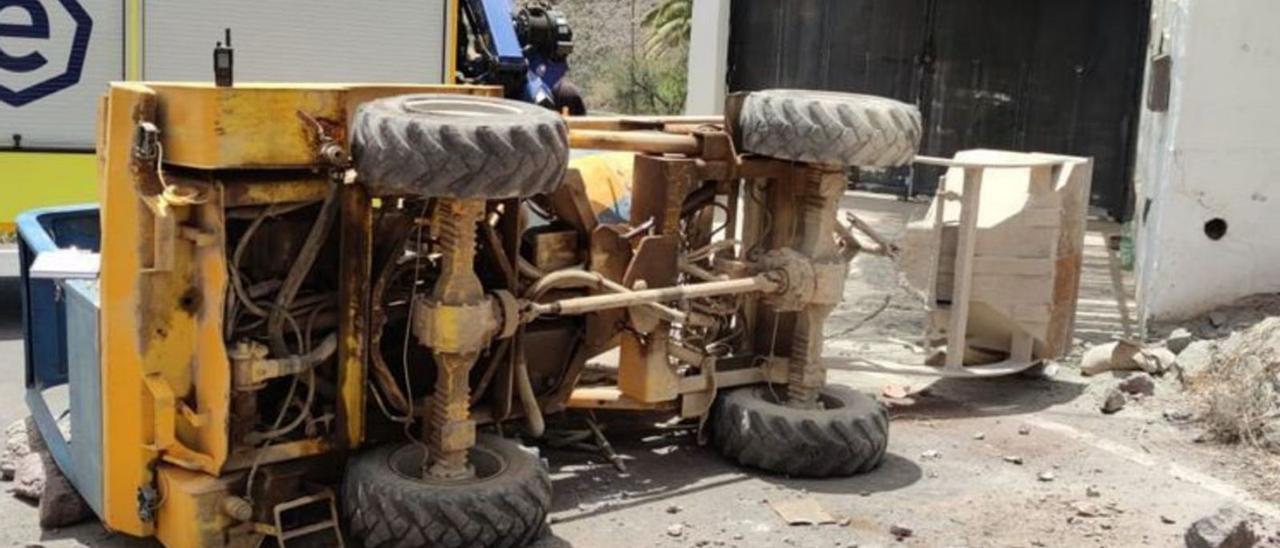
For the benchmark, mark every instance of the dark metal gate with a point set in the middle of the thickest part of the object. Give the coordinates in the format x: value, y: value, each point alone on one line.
x: 1059, y: 76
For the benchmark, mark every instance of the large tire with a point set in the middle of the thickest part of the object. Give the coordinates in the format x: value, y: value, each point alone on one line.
x: 848, y: 436
x: 388, y: 504
x: 819, y: 127
x: 458, y: 146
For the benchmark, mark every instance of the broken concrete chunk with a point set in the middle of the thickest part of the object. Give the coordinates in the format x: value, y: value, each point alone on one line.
x: 1113, y: 402
x: 931, y: 454
x: 1156, y: 361
x: 1179, y: 340
x: 1196, y: 359
x: 1013, y: 459
x: 1229, y: 527
x: 29, y: 477
x: 1141, y: 383
x: 675, y: 530
x: 60, y: 504
x: 1046, y: 476
x: 15, y: 448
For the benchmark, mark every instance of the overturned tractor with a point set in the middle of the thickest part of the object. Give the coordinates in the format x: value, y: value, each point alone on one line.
x: 317, y: 302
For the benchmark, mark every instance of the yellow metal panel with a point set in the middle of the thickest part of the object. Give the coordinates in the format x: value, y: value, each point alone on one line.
x: 451, y: 42
x: 133, y: 30
x: 127, y: 427
x: 208, y: 127
x: 166, y: 378
x: 607, y: 179
x: 30, y: 180
x: 259, y: 125
x: 191, y: 514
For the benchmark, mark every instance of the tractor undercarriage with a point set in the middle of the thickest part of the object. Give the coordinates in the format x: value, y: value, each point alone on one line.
x: 284, y: 303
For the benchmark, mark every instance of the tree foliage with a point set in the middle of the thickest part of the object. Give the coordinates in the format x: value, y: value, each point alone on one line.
x: 669, y: 26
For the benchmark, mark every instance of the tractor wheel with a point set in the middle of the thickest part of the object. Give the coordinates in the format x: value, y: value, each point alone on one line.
x: 458, y: 146
x: 848, y: 435
x: 388, y: 503
x: 819, y: 127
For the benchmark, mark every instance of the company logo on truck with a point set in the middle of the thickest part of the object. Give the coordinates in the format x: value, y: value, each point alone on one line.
x: 24, y: 30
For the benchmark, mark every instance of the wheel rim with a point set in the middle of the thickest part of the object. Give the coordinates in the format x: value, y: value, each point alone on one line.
x: 407, y: 462
x: 449, y: 107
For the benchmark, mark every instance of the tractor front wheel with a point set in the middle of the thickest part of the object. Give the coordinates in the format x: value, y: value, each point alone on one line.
x: 389, y: 501
x: 847, y: 434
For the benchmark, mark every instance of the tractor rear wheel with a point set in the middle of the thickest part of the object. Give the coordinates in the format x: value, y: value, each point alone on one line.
x: 848, y: 434
x: 458, y: 146
x: 842, y: 129
x: 388, y: 502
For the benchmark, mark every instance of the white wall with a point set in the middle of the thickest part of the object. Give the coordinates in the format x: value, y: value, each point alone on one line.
x: 1215, y: 154
x: 708, y: 57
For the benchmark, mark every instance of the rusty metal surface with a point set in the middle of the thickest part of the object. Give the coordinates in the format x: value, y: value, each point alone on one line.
x: 354, y: 286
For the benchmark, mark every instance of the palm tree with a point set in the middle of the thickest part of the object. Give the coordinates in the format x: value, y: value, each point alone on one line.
x: 669, y: 24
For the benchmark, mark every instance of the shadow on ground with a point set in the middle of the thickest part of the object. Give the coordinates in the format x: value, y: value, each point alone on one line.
x: 969, y: 398
x: 663, y: 464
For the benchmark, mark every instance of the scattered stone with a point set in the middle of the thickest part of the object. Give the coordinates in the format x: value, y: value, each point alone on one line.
x: 1195, y: 359
x: 1167, y: 520
x: 1013, y: 459
x: 1228, y: 528
x: 1217, y: 318
x: 1092, y: 492
x: 844, y: 522
x: 1046, y: 476
x: 29, y: 477
x: 1156, y: 361
x: 1113, y: 402
x: 931, y: 454
x: 674, y: 509
x: 1086, y: 510
x: 1141, y: 383
x: 900, y: 532
x: 16, y: 446
x: 1177, y: 415
x: 675, y: 530
x: 737, y: 536
x: 979, y: 436
x: 1179, y: 340
x: 1024, y: 430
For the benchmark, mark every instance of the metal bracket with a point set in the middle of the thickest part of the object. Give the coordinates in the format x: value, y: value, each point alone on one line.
x: 146, y: 143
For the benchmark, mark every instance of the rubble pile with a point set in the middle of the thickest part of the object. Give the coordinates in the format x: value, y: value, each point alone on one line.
x: 1239, y: 386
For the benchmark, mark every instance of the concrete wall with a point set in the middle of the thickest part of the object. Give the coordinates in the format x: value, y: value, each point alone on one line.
x: 708, y: 57
x: 1215, y: 155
